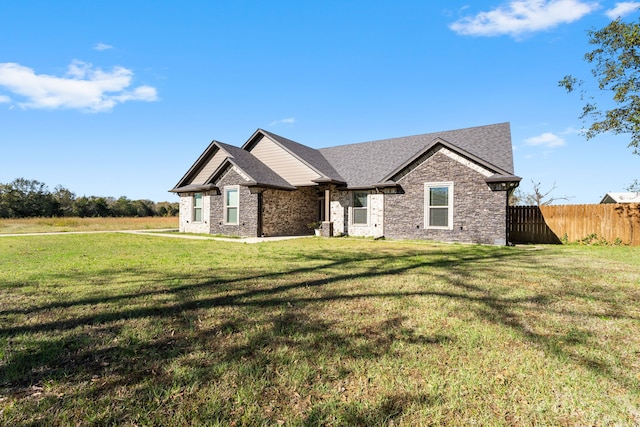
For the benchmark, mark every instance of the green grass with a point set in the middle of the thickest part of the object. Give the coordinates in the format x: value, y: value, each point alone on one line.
x: 116, y: 329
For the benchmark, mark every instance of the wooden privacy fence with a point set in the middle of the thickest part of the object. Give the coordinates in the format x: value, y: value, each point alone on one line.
x: 553, y: 224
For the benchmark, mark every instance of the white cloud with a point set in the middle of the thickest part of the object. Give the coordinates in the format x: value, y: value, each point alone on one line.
x: 547, y: 139
x: 623, y: 9
x: 4, y: 99
x: 102, y: 46
x: 84, y: 87
x: 523, y: 16
x: 288, y: 121
x: 570, y: 131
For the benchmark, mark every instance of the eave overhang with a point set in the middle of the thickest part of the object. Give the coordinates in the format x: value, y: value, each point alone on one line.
x: 256, y: 184
x: 194, y: 188
x: 376, y: 186
x: 325, y: 180
x: 503, y: 182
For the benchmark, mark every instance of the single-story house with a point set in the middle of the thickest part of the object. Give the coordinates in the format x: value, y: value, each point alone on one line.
x: 628, y: 197
x: 447, y: 186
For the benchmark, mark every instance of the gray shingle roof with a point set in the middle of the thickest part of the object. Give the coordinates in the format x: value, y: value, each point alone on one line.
x: 368, y: 163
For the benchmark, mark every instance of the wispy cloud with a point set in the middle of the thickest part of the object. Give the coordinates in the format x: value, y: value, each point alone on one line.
x: 623, y: 9
x: 4, y: 99
x: 288, y: 121
x: 520, y: 17
x: 102, y: 46
x: 547, y: 139
x: 83, y: 87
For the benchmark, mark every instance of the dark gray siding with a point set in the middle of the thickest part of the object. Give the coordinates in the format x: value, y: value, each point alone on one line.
x: 479, y: 214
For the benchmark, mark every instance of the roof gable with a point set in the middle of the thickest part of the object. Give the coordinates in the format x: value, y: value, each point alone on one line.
x: 287, y: 153
x: 258, y: 173
x: 624, y: 197
x: 368, y: 163
x: 203, y: 167
x: 453, y: 151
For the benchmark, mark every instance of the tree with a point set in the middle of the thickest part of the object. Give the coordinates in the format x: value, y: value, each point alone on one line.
x: 23, y: 198
x: 537, y: 197
x: 634, y: 186
x: 616, y: 67
x: 65, y: 199
x: 27, y: 198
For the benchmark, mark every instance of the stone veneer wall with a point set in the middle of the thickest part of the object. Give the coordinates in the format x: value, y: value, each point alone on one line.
x: 341, y: 203
x: 479, y: 214
x: 287, y: 213
x: 247, y: 208
x: 375, y: 217
x: 186, y: 223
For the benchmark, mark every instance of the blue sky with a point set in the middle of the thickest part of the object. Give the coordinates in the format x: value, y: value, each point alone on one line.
x: 119, y: 98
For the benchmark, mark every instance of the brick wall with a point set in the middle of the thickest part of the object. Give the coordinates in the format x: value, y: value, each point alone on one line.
x: 479, y: 214
x: 247, y: 208
x: 287, y: 213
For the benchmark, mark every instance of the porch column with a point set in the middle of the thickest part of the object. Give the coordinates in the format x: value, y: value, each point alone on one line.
x: 327, y: 225
x: 327, y: 204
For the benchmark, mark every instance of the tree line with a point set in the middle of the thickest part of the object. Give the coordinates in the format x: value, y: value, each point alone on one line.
x: 23, y: 198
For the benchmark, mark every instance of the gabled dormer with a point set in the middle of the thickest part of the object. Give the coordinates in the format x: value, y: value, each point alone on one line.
x: 298, y: 164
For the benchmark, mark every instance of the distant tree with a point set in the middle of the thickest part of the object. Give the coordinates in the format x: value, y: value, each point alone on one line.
x: 81, y: 207
x: 616, y: 67
x: 23, y: 198
x: 144, y: 208
x: 100, y: 206
x: 123, y: 207
x: 91, y: 206
x: 65, y: 199
x: 634, y: 186
x: 539, y: 197
x: 167, y: 209
x: 30, y: 198
x: 8, y: 201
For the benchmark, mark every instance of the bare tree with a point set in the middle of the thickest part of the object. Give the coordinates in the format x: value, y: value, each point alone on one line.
x: 634, y: 186
x: 540, y: 197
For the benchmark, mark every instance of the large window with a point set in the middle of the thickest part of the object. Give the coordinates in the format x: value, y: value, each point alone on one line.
x: 231, y: 204
x: 438, y: 198
x: 197, y: 207
x: 360, y: 207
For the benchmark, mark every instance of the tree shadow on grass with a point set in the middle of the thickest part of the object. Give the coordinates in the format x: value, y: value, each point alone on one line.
x: 383, y: 412
x: 278, y: 323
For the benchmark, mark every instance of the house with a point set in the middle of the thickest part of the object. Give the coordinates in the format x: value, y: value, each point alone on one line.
x: 447, y: 186
x: 629, y: 197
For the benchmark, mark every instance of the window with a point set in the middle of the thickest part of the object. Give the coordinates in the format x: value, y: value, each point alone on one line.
x: 360, y: 209
x: 231, y: 205
x: 438, y: 198
x: 197, y: 207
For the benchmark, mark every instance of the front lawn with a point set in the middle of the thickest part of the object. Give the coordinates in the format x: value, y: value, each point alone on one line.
x: 114, y: 329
